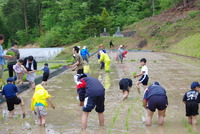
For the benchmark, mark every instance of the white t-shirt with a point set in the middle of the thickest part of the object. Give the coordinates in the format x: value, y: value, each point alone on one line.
x: 144, y: 69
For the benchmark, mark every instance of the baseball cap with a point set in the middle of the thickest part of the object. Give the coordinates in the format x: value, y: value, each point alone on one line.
x: 81, y: 76
x: 195, y: 84
x: 10, y: 79
x: 155, y: 83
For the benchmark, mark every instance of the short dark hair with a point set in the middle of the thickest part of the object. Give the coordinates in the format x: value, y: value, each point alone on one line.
x: 143, y: 60
x: 76, y: 49
x: 1, y: 36
x: 14, y: 43
x: 20, y: 60
x: 46, y: 64
x: 30, y: 58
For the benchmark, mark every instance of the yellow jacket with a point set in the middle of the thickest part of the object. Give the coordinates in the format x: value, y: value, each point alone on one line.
x: 104, y: 58
x: 40, y: 95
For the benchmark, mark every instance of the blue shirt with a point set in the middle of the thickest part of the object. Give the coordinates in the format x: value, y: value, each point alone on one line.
x: 99, y: 56
x: 90, y: 87
x: 46, y: 69
x: 192, y: 95
x: 39, y: 104
x: 9, y: 90
x: 84, y: 52
x: 154, y: 90
x: 2, y: 59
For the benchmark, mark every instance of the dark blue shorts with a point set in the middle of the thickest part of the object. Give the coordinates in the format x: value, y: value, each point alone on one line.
x: 91, y: 102
x: 124, y: 84
x: 11, y: 102
x: 144, y: 79
x: 80, y: 71
x: 45, y: 76
x: 157, y: 102
x: 192, y: 108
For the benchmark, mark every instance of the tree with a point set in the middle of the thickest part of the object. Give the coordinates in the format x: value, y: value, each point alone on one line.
x: 105, y: 19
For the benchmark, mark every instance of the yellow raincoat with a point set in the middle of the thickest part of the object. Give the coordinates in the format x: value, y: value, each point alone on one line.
x: 40, y: 95
x: 105, y: 58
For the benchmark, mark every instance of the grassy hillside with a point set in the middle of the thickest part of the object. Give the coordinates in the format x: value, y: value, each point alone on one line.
x: 94, y: 43
x: 176, y: 30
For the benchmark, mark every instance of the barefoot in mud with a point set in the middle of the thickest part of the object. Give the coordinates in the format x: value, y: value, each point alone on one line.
x: 125, y: 84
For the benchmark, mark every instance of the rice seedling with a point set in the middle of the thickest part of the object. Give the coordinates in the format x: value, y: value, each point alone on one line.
x: 107, y: 71
x: 134, y: 73
x: 140, y: 67
x: 188, y: 126
x: 10, y: 53
x: 133, y: 60
x: 114, y: 119
x: 154, y: 61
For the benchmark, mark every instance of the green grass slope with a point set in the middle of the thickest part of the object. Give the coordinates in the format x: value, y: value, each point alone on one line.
x: 176, y: 30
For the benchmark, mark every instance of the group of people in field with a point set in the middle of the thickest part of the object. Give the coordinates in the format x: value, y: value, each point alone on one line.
x: 16, y: 69
x: 90, y: 90
x: 92, y: 93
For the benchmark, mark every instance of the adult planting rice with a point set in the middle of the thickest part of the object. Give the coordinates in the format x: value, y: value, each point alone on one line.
x: 31, y: 66
x: 155, y: 98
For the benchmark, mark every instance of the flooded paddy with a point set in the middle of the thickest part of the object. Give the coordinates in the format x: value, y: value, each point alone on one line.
x: 174, y: 73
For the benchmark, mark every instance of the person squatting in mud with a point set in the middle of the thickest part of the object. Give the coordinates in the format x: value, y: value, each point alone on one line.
x: 155, y: 98
x: 125, y: 84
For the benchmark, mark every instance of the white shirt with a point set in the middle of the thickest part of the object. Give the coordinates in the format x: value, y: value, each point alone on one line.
x: 144, y: 69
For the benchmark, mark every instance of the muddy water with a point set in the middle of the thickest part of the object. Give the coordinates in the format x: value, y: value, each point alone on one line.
x: 175, y: 73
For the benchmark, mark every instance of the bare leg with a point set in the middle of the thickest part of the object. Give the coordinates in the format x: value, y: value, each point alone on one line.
x: 84, y: 120
x: 149, y: 117
x: 138, y: 86
x: 11, y: 114
x: 144, y: 87
x: 43, y: 119
x: 43, y: 83
x: 32, y: 85
x: 40, y: 121
x: 125, y: 94
x: 101, y: 119
x: 190, y: 120
x: 21, y: 77
x: 23, y: 108
x: 161, y: 115
x: 194, y: 120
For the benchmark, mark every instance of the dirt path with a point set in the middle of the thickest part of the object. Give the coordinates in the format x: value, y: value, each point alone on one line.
x: 175, y: 73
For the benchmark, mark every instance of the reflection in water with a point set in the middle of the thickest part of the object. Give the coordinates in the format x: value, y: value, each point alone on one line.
x: 101, y: 130
x: 105, y: 80
x: 120, y: 117
x: 158, y: 130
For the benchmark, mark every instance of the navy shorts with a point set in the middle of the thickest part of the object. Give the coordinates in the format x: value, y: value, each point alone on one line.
x: 45, y: 76
x: 157, y: 102
x: 91, y: 102
x: 80, y: 71
x: 144, y: 79
x: 192, y: 108
x: 11, y: 102
x: 124, y: 84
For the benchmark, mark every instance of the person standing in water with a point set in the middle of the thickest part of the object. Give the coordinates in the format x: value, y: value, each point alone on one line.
x: 85, y: 54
